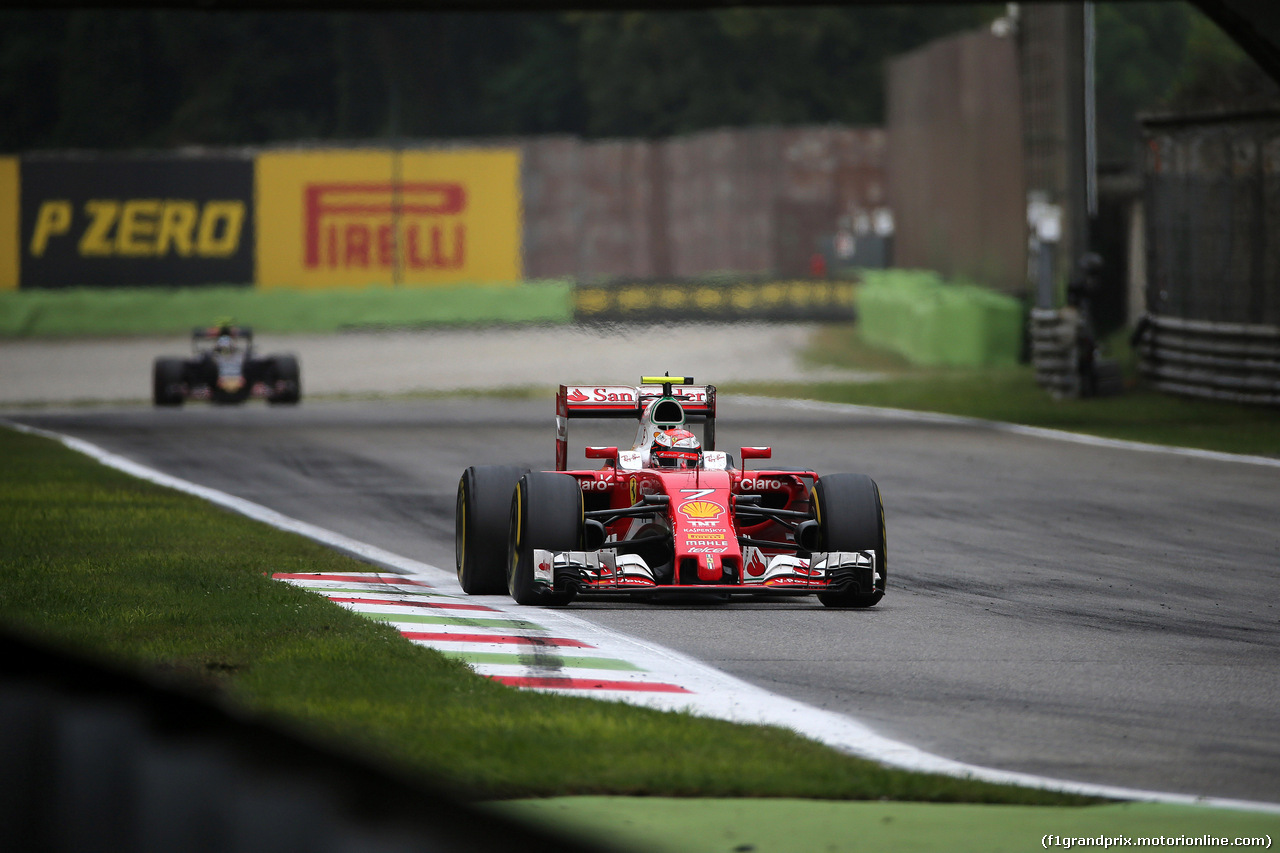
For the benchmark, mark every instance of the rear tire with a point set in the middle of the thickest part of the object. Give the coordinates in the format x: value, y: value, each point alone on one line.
x: 166, y: 382
x: 851, y: 518
x: 480, y: 527
x: 546, y: 513
x: 285, y: 380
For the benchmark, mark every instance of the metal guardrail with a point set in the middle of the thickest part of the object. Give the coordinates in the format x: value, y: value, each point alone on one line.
x: 1056, y: 355
x: 1235, y: 362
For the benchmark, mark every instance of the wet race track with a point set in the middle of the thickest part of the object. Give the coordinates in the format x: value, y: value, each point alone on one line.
x: 1084, y: 613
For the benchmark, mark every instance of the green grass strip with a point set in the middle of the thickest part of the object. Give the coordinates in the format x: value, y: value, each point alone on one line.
x: 568, y: 662
x: 662, y: 825
x: 128, y: 571
x: 102, y: 312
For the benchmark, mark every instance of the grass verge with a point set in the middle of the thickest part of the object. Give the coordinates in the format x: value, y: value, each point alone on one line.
x: 132, y: 572
x: 663, y: 825
x: 103, y: 312
x: 1011, y: 395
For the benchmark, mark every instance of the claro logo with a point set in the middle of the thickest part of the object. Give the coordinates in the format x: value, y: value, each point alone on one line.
x: 142, y: 227
x: 363, y: 225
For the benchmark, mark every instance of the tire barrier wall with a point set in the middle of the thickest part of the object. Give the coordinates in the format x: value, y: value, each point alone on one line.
x: 734, y: 301
x: 96, y: 759
x: 936, y: 324
x: 1235, y: 362
x: 1060, y: 367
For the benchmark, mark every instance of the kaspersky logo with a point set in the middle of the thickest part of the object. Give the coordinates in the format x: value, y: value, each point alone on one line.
x: 368, y: 225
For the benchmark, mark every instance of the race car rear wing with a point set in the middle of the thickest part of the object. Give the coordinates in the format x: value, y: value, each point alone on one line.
x: 696, y: 403
x: 213, y: 332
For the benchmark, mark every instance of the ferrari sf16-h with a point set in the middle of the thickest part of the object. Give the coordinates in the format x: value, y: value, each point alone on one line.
x: 671, y: 514
x: 225, y: 369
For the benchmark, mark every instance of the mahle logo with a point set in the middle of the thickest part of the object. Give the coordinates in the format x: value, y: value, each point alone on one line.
x: 385, y: 225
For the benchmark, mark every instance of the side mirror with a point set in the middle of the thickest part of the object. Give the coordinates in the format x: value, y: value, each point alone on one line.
x: 601, y: 452
x: 756, y: 453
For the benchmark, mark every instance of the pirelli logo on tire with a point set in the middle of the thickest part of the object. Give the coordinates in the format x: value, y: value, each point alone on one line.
x: 353, y: 218
x: 126, y: 221
x: 733, y: 301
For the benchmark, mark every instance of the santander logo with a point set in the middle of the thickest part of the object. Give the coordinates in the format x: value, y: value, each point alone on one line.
x: 602, y: 394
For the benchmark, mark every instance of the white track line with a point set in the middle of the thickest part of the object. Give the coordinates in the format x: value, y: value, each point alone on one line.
x: 715, y: 693
x: 1001, y: 426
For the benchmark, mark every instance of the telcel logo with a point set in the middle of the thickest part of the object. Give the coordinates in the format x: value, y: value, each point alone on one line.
x: 143, y: 227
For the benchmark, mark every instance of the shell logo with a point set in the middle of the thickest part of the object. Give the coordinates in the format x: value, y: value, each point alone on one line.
x: 701, y: 510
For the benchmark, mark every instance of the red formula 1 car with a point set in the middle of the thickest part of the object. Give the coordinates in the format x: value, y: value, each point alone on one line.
x: 225, y: 369
x: 668, y: 515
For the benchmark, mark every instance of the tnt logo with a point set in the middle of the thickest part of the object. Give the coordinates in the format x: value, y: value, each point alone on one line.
x: 363, y: 225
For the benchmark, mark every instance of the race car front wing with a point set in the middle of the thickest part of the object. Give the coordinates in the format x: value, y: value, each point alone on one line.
x: 606, y: 571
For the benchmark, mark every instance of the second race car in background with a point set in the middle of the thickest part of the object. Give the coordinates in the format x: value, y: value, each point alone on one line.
x: 668, y: 515
x: 225, y: 369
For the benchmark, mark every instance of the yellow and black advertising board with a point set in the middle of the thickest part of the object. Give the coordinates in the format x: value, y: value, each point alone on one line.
x: 343, y: 218
x: 136, y: 221
x: 8, y: 223
x: 744, y: 299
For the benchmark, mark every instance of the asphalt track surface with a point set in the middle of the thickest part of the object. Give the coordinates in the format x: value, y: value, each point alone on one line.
x: 1084, y: 613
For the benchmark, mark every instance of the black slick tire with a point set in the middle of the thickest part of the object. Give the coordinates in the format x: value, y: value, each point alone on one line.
x: 285, y: 380
x: 480, y: 527
x: 166, y: 382
x: 546, y: 513
x: 851, y: 518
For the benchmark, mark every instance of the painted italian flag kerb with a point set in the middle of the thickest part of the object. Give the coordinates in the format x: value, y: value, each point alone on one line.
x: 505, y: 646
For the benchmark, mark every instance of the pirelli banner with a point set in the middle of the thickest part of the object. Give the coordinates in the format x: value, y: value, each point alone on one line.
x: 298, y: 219
x: 353, y: 218
x: 817, y: 300
x: 132, y: 220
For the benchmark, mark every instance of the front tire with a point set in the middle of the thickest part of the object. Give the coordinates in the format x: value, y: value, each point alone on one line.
x: 480, y: 527
x: 285, y: 380
x: 166, y: 382
x: 851, y: 518
x: 546, y: 513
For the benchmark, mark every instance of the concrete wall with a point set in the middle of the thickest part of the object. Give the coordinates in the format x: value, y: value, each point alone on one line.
x: 955, y: 167
x: 1212, y: 215
x: 756, y: 200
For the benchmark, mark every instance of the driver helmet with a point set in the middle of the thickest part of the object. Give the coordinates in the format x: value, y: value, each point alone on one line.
x: 675, y: 448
